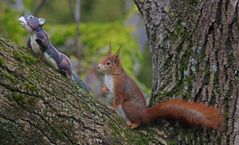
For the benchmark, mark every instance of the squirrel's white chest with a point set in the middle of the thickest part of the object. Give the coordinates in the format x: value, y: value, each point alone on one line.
x: 108, y: 80
x: 35, y: 47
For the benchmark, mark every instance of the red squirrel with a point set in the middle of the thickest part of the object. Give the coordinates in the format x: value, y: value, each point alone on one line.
x: 130, y: 104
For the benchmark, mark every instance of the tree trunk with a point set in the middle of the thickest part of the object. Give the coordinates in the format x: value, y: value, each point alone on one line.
x: 195, y: 54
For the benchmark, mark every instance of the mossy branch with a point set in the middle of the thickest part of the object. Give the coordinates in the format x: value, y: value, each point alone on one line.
x: 40, y: 106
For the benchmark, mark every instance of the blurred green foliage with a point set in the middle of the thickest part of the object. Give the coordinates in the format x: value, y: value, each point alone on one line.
x: 9, y: 24
x: 59, y: 11
x: 96, y: 37
x: 102, y: 10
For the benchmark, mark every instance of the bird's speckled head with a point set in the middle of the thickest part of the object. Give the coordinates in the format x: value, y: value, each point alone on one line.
x: 31, y: 23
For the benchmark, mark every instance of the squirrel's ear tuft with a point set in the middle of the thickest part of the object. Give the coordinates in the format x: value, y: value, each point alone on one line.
x: 41, y: 21
x: 118, y: 51
x: 110, y: 48
x: 109, y: 51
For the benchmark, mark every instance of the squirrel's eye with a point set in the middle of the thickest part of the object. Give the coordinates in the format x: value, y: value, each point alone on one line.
x: 108, y: 63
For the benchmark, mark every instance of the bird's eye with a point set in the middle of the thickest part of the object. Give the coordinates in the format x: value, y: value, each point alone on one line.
x: 108, y: 63
x: 30, y: 17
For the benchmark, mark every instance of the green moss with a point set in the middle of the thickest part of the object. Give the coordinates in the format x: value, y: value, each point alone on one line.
x: 161, y: 95
x: 176, y: 132
x: 29, y: 59
x: 34, y: 74
x: 60, y: 135
x: 31, y: 87
x: 192, y: 3
x: 18, y: 97
x: 218, y: 139
x: 189, y: 81
x: 183, y: 79
x: 178, y: 91
x: 27, y: 102
x: 1, y: 62
x: 182, y: 132
x: 207, y: 74
x: 202, y: 54
x: 178, y: 30
x: 10, y: 133
x: 7, y: 76
x: 230, y: 59
x: 185, y: 59
x: 116, y: 131
x: 229, y: 47
x: 172, y: 142
x: 20, y: 141
x: 17, y: 55
x: 197, y: 65
x: 140, y: 141
x: 227, y: 100
x: 216, y: 76
x: 10, y: 77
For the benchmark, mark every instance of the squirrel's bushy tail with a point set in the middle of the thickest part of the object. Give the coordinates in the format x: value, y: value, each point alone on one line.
x: 79, y: 82
x: 189, y: 112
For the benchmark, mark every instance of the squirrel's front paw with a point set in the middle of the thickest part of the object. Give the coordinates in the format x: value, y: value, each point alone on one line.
x: 105, y: 90
x: 133, y: 125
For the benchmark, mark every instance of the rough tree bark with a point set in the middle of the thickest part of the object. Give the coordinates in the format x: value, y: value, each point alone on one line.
x: 40, y: 106
x: 195, y: 54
